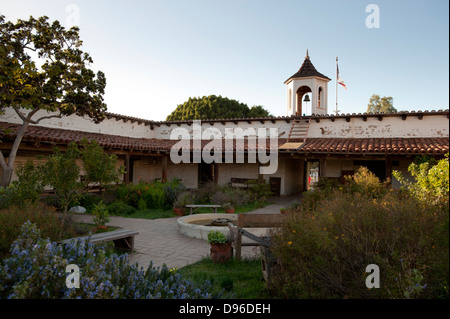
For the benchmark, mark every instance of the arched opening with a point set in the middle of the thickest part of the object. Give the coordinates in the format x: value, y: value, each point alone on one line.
x: 300, y: 95
x: 320, y: 97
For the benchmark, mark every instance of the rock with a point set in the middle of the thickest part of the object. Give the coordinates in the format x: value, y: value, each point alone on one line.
x: 77, y: 209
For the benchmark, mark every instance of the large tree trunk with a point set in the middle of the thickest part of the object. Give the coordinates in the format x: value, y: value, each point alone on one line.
x: 6, y: 176
x: 8, y: 168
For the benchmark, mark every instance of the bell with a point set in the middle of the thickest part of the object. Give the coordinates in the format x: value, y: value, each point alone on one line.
x: 306, y: 99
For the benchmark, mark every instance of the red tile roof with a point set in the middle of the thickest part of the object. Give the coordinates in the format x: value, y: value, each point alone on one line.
x: 377, y: 145
x: 312, y: 145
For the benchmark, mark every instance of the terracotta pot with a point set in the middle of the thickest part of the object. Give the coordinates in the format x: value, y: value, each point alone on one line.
x: 178, y: 211
x: 229, y: 210
x: 221, y: 253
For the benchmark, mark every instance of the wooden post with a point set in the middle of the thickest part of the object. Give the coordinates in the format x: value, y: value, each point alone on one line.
x: 322, y: 167
x: 127, y: 176
x: 389, y: 168
x: 164, y: 169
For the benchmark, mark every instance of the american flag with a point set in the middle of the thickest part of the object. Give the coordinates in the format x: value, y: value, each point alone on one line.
x: 339, y: 80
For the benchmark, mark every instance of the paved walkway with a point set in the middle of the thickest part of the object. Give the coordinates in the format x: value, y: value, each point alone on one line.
x: 160, y: 242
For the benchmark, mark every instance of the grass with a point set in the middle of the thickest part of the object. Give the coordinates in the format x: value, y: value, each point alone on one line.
x: 84, y: 229
x: 149, y: 214
x: 242, y: 278
x: 168, y: 213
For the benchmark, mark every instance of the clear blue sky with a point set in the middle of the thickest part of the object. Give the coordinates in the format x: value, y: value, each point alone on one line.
x: 156, y: 54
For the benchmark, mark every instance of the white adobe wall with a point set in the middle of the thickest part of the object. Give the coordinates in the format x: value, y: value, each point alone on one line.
x: 164, y: 130
x: 390, y: 126
x: 85, y: 124
x: 188, y: 173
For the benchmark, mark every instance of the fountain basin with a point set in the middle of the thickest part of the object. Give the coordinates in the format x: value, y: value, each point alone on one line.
x: 197, y: 226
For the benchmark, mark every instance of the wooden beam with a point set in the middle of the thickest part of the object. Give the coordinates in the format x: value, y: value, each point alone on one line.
x: 127, y: 178
x: 164, y: 169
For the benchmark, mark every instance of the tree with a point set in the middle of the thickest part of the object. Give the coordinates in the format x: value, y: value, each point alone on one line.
x: 99, y: 167
x: 431, y: 180
x: 214, y: 107
x: 62, y: 173
x: 381, y: 105
x: 45, y: 74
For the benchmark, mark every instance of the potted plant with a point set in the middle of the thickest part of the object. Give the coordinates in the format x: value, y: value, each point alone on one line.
x: 178, y: 209
x: 283, y: 210
x: 101, y: 216
x: 229, y: 209
x: 182, y: 200
x: 221, y: 249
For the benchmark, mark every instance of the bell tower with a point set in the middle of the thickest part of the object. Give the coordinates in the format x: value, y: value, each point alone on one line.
x: 307, y: 91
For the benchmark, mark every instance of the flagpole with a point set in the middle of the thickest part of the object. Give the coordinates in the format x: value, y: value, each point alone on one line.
x: 337, y: 85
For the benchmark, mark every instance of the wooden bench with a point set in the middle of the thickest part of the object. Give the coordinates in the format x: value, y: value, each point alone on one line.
x: 122, y: 238
x: 242, y: 182
x: 193, y: 208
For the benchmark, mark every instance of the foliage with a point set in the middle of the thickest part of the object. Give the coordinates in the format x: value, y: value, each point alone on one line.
x: 259, y: 191
x: 214, y: 107
x: 171, y: 190
x: 381, y: 105
x: 13, y: 217
x: 37, y: 269
x: 101, y: 215
x: 153, y: 195
x: 44, y: 69
x: 62, y: 174
x: 431, y: 181
x: 26, y: 189
x: 241, y: 277
x: 99, y: 167
x: 216, y: 237
x: 324, y: 248
x: 183, y: 199
x: 120, y: 208
x: 366, y: 183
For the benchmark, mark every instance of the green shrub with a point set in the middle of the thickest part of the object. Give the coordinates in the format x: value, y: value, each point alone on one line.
x: 431, y: 180
x: 100, y: 212
x: 171, y: 191
x: 331, y: 236
x: 12, y: 218
x: 87, y: 201
x: 324, y: 252
x: 183, y: 199
x: 155, y: 195
x: 366, y: 183
x: 120, y: 208
x: 259, y: 191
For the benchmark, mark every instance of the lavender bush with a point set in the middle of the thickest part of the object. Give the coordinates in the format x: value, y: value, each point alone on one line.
x: 36, y: 269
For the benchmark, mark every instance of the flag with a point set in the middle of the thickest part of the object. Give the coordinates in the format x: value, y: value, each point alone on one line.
x: 339, y: 80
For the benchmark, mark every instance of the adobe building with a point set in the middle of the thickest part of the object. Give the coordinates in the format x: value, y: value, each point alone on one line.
x: 308, y: 145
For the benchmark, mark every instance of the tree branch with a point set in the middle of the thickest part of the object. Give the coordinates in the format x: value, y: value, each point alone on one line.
x: 46, y: 117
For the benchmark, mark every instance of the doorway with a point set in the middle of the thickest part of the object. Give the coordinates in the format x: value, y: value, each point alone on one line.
x: 312, y: 173
x: 205, y: 173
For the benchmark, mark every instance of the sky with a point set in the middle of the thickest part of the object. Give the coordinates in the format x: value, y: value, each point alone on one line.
x: 158, y: 53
